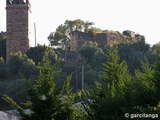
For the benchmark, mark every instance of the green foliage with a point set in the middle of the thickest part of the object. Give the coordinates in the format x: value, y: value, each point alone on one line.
x: 3, y: 69
x: 37, y: 53
x: 143, y: 88
x: 20, y: 63
x: 157, y: 73
x: 68, y: 112
x: 60, y: 78
x: 28, y: 68
x: 133, y: 52
x: 15, y: 89
x: 93, y: 31
x: 156, y: 46
x: 105, y: 102
x: 55, y: 58
x: 90, y: 77
x: 115, y: 74
x: 98, y: 58
x: 16, y: 61
x: 88, y: 50
x: 69, y: 67
x: 61, y: 36
x: 44, y: 101
x: 140, y: 38
x: 3, y: 47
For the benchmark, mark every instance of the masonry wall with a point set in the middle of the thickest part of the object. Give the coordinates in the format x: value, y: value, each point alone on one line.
x: 17, y: 28
x: 77, y: 39
x: 8, y: 116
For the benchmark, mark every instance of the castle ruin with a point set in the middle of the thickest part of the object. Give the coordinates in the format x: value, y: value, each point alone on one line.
x: 77, y: 38
x: 18, y: 31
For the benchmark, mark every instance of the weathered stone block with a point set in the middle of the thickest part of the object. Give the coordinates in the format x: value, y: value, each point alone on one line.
x: 17, y: 28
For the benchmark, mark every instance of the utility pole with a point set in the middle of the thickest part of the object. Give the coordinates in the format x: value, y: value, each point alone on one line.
x: 77, y: 79
x: 82, y: 76
x: 82, y: 62
x: 35, y: 34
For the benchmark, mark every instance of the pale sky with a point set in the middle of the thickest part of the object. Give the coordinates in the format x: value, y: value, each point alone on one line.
x: 140, y: 16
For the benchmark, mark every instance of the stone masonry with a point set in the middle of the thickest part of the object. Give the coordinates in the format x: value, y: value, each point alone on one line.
x: 77, y: 39
x: 17, y: 28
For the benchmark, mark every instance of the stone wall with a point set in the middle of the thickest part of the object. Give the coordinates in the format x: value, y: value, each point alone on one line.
x: 72, y: 56
x: 77, y: 39
x: 17, y: 28
x: 8, y: 116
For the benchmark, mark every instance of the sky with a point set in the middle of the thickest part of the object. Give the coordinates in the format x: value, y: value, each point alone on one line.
x: 140, y: 16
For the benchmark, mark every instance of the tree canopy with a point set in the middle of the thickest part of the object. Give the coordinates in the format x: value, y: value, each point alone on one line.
x: 61, y: 36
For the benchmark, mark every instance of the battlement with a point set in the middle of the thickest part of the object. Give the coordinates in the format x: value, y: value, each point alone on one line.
x: 17, y: 2
x: 77, y: 38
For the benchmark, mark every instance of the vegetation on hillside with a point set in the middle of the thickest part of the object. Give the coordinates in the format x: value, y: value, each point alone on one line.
x: 61, y: 36
x: 119, y: 79
x: 112, y: 93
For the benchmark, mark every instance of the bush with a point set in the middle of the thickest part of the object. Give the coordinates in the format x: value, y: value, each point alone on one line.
x: 3, y: 69
x: 15, y: 89
x: 92, y: 32
x: 16, y: 61
x: 28, y: 68
x: 36, y: 53
x: 88, y: 50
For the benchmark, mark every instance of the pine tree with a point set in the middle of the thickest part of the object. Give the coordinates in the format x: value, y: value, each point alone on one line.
x: 157, y: 74
x: 143, y: 88
x: 107, y: 100
x: 44, y: 101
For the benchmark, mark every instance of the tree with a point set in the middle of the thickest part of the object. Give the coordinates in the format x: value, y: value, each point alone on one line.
x: 14, y: 89
x: 88, y: 50
x: 157, y: 73
x: 37, y: 53
x: 156, y: 46
x: 69, y: 68
x: 133, y: 52
x: 28, y: 68
x: 3, y: 69
x: 98, y: 58
x: 93, y: 31
x: 106, y: 101
x: 143, y: 87
x: 16, y: 61
x: 61, y: 36
x: 90, y: 77
x: 87, y: 26
x: 3, y: 47
x: 46, y: 102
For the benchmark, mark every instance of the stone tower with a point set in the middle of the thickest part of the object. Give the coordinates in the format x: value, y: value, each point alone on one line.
x: 18, y: 32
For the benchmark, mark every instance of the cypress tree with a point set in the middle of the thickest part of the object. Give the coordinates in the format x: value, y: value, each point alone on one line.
x: 44, y: 101
x: 157, y: 74
x: 108, y: 98
x: 143, y: 87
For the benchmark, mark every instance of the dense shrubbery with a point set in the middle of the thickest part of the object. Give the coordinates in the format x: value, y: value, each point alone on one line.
x: 3, y: 69
x: 116, y: 93
x: 117, y: 86
x: 3, y: 47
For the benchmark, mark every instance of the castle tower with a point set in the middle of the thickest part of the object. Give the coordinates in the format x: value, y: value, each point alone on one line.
x: 18, y: 32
